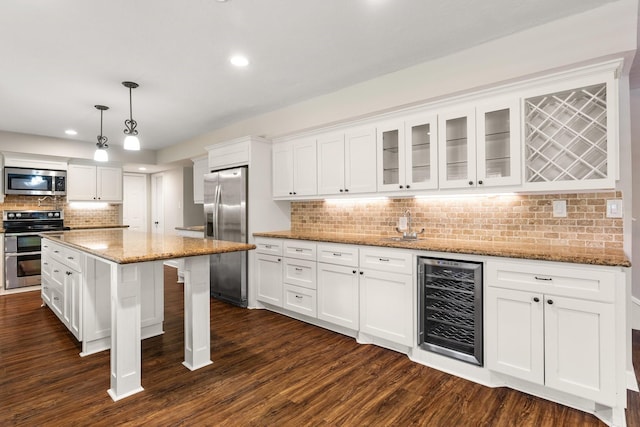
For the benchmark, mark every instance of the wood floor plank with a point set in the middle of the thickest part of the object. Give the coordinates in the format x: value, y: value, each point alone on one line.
x: 268, y: 370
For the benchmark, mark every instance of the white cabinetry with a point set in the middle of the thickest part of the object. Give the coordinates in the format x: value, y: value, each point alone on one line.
x: 571, y: 137
x: 386, y: 295
x: 407, y: 154
x: 479, y: 145
x: 299, y: 277
x: 553, y: 326
x: 347, y: 162
x: 268, y: 274
x: 94, y: 183
x: 294, y: 168
x: 200, y: 167
x: 338, y: 284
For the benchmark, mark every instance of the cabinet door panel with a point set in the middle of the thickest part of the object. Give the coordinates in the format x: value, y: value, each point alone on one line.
x: 282, y: 170
x: 269, y: 279
x: 109, y: 184
x: 81, y: 182
x: 421, y: 152
x: 579, y: 347
x: 305, y: 178
x: 390, y: 143
x: 386, y: 306
x: 338, y: 295
x: 457, y: 149
x: 331, y: 160
x: 360, y: 161
x: 515, y: 334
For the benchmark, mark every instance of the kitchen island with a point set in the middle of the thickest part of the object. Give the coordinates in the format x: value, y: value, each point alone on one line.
x: 129, y: 256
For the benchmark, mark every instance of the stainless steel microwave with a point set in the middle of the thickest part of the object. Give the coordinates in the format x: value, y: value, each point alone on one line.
x: 35, y: 182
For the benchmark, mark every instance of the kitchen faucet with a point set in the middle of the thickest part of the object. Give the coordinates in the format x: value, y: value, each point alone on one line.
x: 409, y: 234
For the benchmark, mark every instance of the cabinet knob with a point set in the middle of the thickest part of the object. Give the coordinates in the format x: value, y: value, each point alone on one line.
x: 402, y: 186
x: 536, y: 299
x: 362, y: 273
x: 408, y: 186
x: 354, y: 272
x: 341, y: 190
x: 295, y: 193
x: 346, y: 190
x: 480, y: 182
x: 470, y: 182
x: 68, y: 273
x: 290, y: 193
x: 279, y: 260
x: 549, y: 301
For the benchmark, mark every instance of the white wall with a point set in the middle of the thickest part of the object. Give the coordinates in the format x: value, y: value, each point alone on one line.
x: 635, y: 205
x: 605, y: 32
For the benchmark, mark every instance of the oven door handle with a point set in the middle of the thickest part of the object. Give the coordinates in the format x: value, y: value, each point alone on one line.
x: 16, y: 254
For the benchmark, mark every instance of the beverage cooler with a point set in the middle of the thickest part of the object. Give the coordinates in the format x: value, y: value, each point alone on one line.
x: 450, y: 311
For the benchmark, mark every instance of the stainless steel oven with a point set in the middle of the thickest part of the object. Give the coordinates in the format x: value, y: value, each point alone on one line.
x: 22, y: 244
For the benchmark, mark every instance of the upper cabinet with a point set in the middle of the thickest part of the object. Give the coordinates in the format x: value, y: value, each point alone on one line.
x: 94, y: 183
x: 200, y: 167
x: 479, y: 146
x: 407, y: 154
x: 347, y: 162
x: 570, y: 139
x: 294, y: 168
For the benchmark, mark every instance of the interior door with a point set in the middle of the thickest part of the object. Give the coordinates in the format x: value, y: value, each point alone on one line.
x: 157, y: 204
x: 134, y: 202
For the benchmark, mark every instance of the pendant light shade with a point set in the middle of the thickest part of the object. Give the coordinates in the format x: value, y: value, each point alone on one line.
x: 131, y: 142
x: 101, y: 154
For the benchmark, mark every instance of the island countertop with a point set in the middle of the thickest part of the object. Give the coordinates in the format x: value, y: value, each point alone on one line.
x: 579, y: 255
x: 124, y: 246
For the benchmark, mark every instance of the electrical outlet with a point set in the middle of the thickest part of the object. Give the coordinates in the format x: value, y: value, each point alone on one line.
x: 559, y: 208
x: 614, y: 208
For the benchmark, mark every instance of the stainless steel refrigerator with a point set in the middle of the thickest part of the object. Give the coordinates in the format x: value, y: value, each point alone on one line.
x: 225, y: 212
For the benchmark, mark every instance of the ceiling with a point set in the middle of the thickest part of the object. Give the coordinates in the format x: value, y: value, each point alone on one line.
x: 60, y: 58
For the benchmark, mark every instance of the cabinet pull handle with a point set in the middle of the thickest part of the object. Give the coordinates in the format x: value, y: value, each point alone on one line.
x: 337, y: 254
x: 55, y: 252
x: 46, y: 288
x: 56, y: 298
x: 56, y: 271
x: 536, y: 299
x: 69, y: 257
x: 549, y: 301
x: 45, y: 263
x: 298, y: 269
x: 470, y: 182
x: 299, y: 296
x: 68, y: 273
x: 384, y: 259
x: 362, y: 273
x: 546, y: 279
x: 354, y: 272
x: 267, y: 246
x: 346, y: 190
x: 341, y: 190
x: 299, y: 250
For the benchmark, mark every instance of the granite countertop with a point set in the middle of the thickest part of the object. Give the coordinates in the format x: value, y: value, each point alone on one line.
x: 579, y: 255
x: 192, y: 228
x: 126, y: 246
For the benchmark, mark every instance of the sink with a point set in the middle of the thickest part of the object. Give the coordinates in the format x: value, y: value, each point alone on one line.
x: 400, y: 239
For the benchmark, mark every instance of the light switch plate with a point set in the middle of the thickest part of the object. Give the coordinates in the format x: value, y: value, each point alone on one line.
x: 559, y: 208
x: 614, y: 208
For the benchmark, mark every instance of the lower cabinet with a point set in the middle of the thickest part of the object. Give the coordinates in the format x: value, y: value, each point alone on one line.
x: 338, y: 295
x: 269, y: 278
x: 386, y: 305
x: 564, y: 343
x: 62, y: 286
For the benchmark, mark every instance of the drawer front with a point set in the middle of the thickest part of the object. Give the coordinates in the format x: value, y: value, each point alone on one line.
x: 57, y: 303
x: 338, y: 254
x: 300, y: 249
x: 71, y: 259
x: 587, y: 283
x: 301, y: 300
x: 300, y: 272
x: 52, y: 250
x: 57, y: 275
x: 386, y: 260
x: 269, y: 246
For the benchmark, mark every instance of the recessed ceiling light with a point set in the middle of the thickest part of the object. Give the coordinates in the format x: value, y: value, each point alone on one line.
x: 142, y: 169
x: 239, y: 61
x: 70, y: 132
x: 221, y: 1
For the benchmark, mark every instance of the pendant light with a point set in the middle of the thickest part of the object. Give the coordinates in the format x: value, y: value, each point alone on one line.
x: 131, y: 141
x: 101, y: 154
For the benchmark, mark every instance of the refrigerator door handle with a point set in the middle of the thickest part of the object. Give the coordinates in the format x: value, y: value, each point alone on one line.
x: 216, y: 210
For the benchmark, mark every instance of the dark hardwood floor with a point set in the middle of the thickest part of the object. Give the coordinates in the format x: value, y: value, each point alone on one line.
x: 268, y: 370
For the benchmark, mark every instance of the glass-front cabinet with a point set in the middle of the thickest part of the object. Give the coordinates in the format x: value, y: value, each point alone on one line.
x: 407, y: 154
x: 479, y: 146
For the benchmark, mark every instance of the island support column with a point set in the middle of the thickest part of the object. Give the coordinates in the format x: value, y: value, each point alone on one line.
x: 197, y: 330
x: 125, y: 330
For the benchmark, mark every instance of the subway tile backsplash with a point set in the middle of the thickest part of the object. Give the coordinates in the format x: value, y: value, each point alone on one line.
x: 109, y: 215
x: 514, y: 218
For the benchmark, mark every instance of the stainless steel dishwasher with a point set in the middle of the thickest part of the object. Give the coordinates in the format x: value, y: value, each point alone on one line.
x: 450, y: 311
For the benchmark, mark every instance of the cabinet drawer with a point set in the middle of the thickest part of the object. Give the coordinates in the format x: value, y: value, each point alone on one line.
x: 71, y: 259
x: 300, y: 272
x: 386, y: 260
x: 587, y: 283
x: 300, y: 249
x: 300, y: 300
x: 57, y: 275
x: 57, y: 303
x: 338, y: 254
x: 269, y: 246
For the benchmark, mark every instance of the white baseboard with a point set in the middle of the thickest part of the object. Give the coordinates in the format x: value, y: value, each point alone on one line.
x: 635, y: 313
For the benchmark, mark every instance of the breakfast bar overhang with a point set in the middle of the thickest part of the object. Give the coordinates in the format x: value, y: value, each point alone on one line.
x: 127, y: 253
